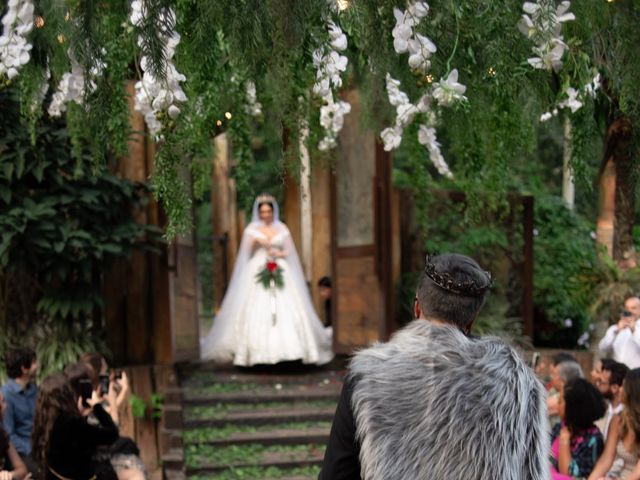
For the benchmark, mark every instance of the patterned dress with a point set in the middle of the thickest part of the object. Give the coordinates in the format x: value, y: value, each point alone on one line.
x: 586, y: 448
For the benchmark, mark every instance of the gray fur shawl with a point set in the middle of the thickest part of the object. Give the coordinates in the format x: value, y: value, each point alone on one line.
x: 433, y: 404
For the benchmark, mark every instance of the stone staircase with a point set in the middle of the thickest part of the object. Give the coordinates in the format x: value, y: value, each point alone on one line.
x: 268, y: 423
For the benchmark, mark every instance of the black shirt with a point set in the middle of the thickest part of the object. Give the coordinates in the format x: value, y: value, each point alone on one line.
x: 72, y: 443
x: 341, y: 459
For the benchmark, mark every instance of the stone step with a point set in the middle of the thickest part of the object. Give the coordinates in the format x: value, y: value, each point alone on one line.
x: 264, y: 417
x: 173, y: 460
x: 206, y: 378
x: 318, y: 436
x: 330, y: 392
x: 278, y: 460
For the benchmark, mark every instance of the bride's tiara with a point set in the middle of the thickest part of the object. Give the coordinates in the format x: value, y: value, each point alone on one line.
x: 265, y: 198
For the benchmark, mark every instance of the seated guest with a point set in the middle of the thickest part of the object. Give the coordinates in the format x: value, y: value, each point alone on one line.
x: 620, y: 455
x: 609, y: 382
x: 11, y: 465
x: 20, y: 396
x: 64, y: 443
x: 576, y: 441
x: 564, y: 368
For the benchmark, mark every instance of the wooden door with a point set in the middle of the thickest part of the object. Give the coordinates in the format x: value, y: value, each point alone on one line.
x: 361, y: 198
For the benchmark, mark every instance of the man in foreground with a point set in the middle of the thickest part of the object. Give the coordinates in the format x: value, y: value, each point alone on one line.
x: 434, y: 403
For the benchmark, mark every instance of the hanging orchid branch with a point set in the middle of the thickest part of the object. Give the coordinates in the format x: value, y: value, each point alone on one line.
x: 542, y: 23
x: 158, y: 93
x: 330, y: 65
x: 447, y: 92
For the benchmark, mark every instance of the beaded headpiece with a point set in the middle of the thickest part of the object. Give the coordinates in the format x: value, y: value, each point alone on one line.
x: 448, y: 283
x: 265, y: 198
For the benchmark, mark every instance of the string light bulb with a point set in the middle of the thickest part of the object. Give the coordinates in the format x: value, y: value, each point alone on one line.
x: 61, y: 38
x: 491, y: 72
x: 428, y: 78
x: 219, y: 123
x: 343, y: 4
x: 39, y: 22
x: 67, y: 16
x: 228, y: 115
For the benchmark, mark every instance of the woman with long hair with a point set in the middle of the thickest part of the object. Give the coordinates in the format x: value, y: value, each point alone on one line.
x: 620, y: 457
x: 576, y: 441
x: 64, y: 443
x: 11, y: 465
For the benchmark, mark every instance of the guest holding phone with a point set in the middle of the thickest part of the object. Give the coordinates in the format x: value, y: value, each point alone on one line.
x: 64, y: 443
x: 622, y: 340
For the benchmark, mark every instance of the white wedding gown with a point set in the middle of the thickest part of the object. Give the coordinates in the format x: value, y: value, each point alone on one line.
x: 258, y: 325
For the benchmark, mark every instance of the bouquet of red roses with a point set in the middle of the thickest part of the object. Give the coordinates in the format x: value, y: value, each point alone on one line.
x: 270, y: 276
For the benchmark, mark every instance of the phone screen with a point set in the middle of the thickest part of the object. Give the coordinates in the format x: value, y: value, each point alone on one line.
x: 104, y: 384
x: 86, y: 389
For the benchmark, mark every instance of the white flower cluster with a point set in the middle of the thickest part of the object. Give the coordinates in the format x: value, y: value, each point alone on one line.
x: 36, y: 101
x: 405, y: 39
x: 329, y: 66
x: 573, y: 99
x: 405, y: 113
x: 71, y: 87
x: 155, y: 96
x: 542, y: 23
x: 14, y: 47
x: 253, y: 106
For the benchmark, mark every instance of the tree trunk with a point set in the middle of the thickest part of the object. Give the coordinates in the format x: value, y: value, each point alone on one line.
x: 618, y: 149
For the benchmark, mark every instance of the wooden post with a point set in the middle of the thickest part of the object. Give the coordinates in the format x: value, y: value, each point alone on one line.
x: 606, y: 215
x: 321, y: 241
x: 305, y: 206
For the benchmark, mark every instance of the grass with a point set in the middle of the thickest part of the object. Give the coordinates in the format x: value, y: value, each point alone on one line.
x: 203, y: 435
x: 219, y: 410
x: 198, y: 455
x: 255, y: 473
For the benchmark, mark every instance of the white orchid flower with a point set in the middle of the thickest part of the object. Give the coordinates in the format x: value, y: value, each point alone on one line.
x: 337, y: 36
x: 427, y: 137
x: 391, y: 137
x: 572, y: 101
x: 405, y: 114
x: 418, y: 9
x: 446, y: 92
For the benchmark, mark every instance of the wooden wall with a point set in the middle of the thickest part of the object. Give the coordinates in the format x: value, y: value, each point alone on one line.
x: 151, y: 303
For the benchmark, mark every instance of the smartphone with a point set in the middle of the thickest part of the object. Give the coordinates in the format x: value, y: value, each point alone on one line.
x: 535, y: 360
x: 104, y: 384
x: 86, y: 390
x: 626, y: 313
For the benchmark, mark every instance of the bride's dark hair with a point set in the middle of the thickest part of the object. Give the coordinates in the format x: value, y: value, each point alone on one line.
x: 265, y: 203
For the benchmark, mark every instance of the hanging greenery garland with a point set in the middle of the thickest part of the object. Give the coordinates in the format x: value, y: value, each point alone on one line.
x: 514, y: 65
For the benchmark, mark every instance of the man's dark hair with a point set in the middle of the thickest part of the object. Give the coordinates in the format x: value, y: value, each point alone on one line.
x: 584, y: 404
x: 453, y: 289
x: 17, y: 358
x: 560, y: 357
x: 324, y: 282
x: 617, y: 370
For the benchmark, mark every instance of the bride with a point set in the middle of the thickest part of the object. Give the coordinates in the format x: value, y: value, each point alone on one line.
x: 267, y: 315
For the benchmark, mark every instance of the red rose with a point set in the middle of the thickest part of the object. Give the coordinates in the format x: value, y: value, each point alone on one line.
x: 272, y: 266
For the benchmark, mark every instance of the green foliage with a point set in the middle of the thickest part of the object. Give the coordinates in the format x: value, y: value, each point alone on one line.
x: 566, y: 256
x: 138, y: 407
x: 224, y: 44
x: 62, y: 225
